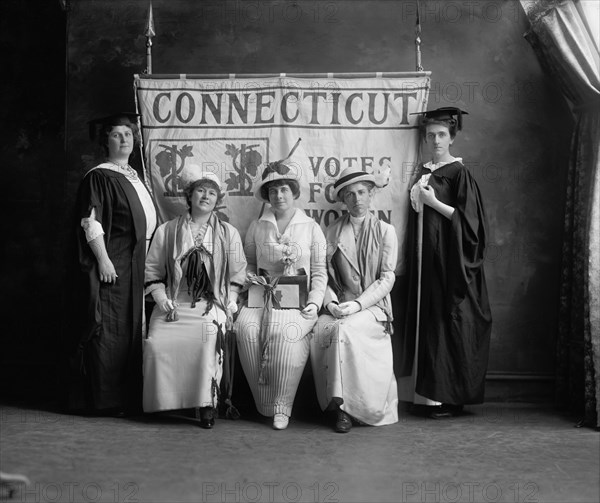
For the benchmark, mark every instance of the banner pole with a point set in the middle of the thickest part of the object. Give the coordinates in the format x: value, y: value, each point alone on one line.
x: 149, y: 33
x: 419, y: 275
x: 234, y: 76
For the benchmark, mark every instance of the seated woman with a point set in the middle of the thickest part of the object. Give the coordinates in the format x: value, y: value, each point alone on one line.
x: 194, y: 271
x: 351, y: 351
x: 283, y: 241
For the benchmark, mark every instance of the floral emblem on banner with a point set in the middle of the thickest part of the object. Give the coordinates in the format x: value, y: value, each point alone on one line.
x: 246, y: 161
x: 171, y: 162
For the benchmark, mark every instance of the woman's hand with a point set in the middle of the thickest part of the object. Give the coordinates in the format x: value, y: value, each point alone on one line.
x: 162, y: 301
x: 232, y: 307
x: 168, y: 305
x: 106, y: 271
x: 348, y: 308
x: 428, y: 195
x: 310, y: 311
x: 334, y: 309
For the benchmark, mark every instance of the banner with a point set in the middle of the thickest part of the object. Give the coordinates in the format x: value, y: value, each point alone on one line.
x: 235, y: 126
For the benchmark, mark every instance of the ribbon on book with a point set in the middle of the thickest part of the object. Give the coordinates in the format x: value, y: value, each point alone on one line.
x: 270, y: 302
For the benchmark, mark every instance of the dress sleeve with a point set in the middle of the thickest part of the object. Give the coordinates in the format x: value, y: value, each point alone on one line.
x: 250, y: 247
x: 236, y: 258
x: 382, y: 286
x: 91, y: 226
x: 95, y: 197
x: 467, y: 247
x: 318, y: 267
x: 156, y: 262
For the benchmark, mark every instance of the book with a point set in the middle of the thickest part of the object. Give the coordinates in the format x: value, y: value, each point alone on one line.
x: 291, y: 292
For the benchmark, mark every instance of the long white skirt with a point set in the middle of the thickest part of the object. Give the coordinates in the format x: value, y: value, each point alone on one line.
x: 352, y: 363
x: 287, y: 355
x: 181, y: 363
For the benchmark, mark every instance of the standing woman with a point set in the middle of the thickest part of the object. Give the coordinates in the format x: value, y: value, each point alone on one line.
x: 445, y: 363
x: 351, y: 351
x: 283, y: 241
x: 115, y: 223
x: 194, y: 272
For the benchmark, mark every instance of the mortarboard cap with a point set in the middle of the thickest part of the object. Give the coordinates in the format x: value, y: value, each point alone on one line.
x: 116, y: 119
x: 443, y: 114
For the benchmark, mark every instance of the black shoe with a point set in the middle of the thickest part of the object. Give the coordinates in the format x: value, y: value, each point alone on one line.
x: 207, y: 418
x: 343, y: 423
x: 446, y: 411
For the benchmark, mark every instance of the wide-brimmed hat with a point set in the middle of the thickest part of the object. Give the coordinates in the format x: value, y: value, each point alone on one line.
x: 284, y: 169
x: 350, y: 176
x: 193, y: 173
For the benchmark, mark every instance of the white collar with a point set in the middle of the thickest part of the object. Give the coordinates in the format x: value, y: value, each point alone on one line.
x: 436, y: 165
x: 299, y: 217
x: 357, y: 220
x: 125, y: 170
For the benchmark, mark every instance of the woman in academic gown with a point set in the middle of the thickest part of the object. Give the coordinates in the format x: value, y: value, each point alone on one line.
x: 273, y: 343
x: 115, y: 221
x: 444, y: 364
x: 351, y: 349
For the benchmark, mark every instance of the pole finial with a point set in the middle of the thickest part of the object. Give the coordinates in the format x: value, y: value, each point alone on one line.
x: 418, y: 40
x: 149, y: 33
x: 150, y: 24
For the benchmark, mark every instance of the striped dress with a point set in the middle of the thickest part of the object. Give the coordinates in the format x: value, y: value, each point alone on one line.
x: 288, y: 345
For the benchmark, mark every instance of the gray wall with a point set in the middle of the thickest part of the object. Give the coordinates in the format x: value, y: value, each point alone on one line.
x: 516, y: 136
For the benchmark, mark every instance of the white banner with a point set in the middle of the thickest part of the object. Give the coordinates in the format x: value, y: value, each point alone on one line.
x: 235, y: 126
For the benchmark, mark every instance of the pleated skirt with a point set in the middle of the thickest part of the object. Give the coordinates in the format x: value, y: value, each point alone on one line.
x: 287, y: 354
x: 181, y: 364
x: 353, y: 366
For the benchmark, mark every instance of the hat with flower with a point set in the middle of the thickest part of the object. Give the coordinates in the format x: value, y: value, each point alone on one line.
x: 284, y: 169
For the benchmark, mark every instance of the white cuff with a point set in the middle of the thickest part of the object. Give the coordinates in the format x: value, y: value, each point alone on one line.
x: 91, y: 226
x: 159, y: 294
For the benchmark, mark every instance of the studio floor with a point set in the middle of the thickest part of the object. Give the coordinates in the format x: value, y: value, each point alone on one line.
x: 494, y: 453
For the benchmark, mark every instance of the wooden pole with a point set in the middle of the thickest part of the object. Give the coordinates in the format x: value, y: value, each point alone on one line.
x: 419, y: 275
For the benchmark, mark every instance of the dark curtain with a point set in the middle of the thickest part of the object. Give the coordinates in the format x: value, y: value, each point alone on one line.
x: 564, y: 43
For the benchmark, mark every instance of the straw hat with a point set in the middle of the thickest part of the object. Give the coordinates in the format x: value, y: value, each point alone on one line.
x: 284, y: 169
x: 193, y: 173
x: 348, y: 177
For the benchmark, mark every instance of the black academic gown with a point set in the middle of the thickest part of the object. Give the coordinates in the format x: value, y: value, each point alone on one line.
x: 105, y: 320
x: 455, y: 318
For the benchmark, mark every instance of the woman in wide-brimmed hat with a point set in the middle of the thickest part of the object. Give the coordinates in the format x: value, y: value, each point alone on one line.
x: 194, y: 272
x: 351, y: 350
x: 273, y: 343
